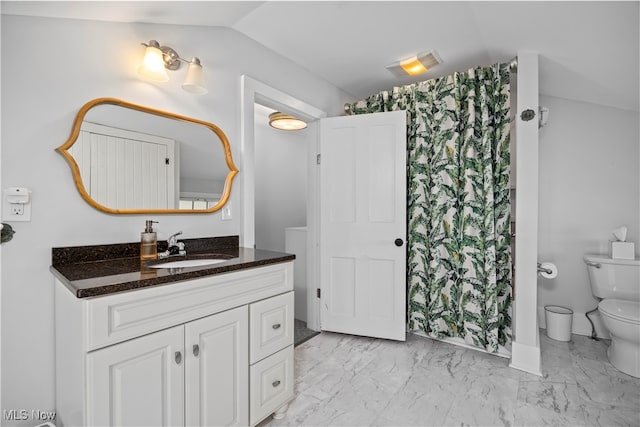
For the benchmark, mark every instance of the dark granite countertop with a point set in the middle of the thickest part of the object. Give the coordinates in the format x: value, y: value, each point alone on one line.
x: 89, y: 271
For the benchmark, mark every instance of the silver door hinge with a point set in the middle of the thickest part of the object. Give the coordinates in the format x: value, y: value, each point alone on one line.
x: 318, y: 292
x: 317, y: 159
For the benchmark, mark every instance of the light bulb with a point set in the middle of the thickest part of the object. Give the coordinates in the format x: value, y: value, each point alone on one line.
x: 152, y: 67
x: 194, y: 81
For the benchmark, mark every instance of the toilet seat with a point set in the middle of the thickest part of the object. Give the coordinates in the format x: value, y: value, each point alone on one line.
x: 624, y: 311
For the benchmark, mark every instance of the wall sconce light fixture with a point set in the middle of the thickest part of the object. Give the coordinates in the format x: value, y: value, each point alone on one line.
x: 282, y: 121
x: 416, y: 64
x: 158, y: 59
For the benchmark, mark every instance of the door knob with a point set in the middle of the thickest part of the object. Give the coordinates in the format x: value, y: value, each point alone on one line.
x: 398, y: 242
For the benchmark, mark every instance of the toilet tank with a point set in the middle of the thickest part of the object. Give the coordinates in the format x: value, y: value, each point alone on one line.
x: 614, y: 278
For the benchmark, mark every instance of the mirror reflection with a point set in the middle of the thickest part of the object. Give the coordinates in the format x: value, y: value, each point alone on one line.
x: 127, y: 158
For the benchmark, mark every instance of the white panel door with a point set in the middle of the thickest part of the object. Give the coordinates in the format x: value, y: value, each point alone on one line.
x: 122, y: 169
x: 138, y: 382
x: 217, y: 369
x: 363, y: 224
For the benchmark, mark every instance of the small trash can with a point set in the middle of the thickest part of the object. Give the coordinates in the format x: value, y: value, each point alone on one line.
x: 558, y: 321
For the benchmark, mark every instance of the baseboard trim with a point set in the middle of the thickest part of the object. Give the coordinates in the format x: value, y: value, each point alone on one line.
x: 526, y: 357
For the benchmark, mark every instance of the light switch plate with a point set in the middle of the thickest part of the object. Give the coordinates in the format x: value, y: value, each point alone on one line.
x: 226, y: 212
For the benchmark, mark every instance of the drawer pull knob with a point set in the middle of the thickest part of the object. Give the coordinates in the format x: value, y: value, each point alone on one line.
x: 276, y: 383
x: 276, y: 326
x: 196, y: 350
x: 178, y: 357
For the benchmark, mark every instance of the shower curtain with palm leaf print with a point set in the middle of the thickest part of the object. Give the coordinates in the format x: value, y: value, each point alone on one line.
x: 459, y: 272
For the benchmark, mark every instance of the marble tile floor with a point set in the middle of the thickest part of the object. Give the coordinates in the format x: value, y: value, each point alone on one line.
x: 344, y: 380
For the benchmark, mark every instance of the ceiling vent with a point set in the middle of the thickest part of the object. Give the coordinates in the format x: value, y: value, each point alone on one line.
x: 415, y: 65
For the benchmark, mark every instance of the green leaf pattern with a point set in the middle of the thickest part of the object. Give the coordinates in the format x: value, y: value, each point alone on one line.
x: 458, y: 208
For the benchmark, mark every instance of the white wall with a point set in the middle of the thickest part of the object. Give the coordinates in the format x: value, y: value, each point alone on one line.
x: 525, y: 348
x: 589, y: 185
x: 281, y: 181
x: 51, y: 67
x: 201, y: 185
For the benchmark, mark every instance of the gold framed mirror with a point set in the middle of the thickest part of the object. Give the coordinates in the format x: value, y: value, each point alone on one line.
x: 130, y: 159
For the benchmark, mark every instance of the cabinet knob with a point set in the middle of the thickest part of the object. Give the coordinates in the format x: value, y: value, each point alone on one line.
x: 276, y: 326
x: 276, y: 383
x: 196, y: 350
x: 178, y: 357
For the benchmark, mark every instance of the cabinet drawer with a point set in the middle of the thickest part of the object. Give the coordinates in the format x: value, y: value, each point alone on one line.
x: 271, y: 384
x: 271, y: 326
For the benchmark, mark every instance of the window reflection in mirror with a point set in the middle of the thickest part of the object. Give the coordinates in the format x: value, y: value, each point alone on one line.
x: 133, y: 159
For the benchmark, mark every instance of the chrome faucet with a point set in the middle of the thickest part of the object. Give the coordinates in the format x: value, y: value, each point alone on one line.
x: 173, y: 239
x: 173, y: 247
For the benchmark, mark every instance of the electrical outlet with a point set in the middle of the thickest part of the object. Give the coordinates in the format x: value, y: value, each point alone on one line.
x: 16, y: 204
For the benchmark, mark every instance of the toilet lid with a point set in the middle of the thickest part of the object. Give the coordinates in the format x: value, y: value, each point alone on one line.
x: 628, y: 311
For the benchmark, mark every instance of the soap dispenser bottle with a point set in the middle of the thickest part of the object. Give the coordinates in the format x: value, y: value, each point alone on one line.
x: 148, y: 242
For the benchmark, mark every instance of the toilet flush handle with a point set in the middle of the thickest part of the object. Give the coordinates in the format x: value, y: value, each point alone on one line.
x: 594, y: 264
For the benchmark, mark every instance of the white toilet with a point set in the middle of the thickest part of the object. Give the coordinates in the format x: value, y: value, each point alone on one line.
x: 616, y: 282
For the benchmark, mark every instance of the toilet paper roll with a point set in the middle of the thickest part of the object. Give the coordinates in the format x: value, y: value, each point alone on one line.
x: 551, y: 268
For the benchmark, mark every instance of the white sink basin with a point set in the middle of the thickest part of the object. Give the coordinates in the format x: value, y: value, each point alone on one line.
x: 189, y: 263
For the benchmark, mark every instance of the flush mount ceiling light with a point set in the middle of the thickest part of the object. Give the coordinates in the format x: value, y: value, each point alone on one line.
x: 282, y: 121
x: 158, y: 59
x: 416, y: 64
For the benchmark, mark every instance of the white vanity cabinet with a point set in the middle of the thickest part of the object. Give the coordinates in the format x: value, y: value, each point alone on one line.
x: 216, y: 350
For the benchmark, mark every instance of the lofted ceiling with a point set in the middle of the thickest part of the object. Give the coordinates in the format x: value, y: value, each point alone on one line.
x: 589, y: 50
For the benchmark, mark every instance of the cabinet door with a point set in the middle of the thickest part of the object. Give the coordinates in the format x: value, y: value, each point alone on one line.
x: 138, y: 382
x: 217, y: 369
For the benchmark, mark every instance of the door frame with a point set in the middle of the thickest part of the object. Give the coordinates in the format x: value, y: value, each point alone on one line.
x: 253, y: 91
